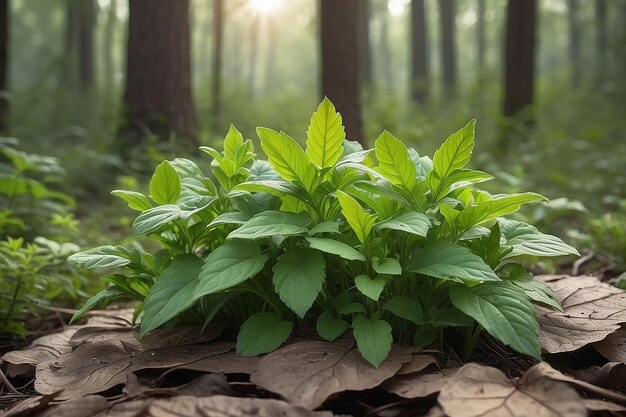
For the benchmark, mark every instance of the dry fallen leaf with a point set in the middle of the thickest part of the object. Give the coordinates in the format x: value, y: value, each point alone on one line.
x: 592, y: 310
x: 417, y: 364
x: 90, y: 405
x: 599, y: 405
x: 29, y: 406
x: 478, y: 390
x: 613, y: 347
x: 419, y: 384
x: 307, y: 373
x: 612, y: 376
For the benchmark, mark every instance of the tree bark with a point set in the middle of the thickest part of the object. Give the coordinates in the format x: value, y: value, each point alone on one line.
x: 4, y: 65
x: 385, y: 52
x: 480, y: 36
x: 109, y: 29
x: 340, y: 61
x: 158, y: 81
x: 87, y: 20
x: 364, y: 32
x: 447, y: 12
x: 600, y: 12
x: 218, y: 41
x: 519, y: 55
x: 419, y: 52
x: 574, y: 42
x: 254, y: 49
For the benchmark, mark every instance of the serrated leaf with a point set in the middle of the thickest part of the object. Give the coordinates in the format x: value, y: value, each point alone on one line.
x: 446, y: 260
x: 406, y: 308
x: 172, y: 293
x: 504, y: 311
x: 271, y: 223
x: 370, y: 287
x: 527, y: 240
x: 228, y: 265
x: 373, y: 337
x: 394, y: 161
x: 135, y: 200
x: 330, y: 327
x: 103, y: 297
x: 335, y: 247
x: 407, y: 221
x: 359, y: 220
x: 387, y: 266
x: 325, y: 136
x: 165, y: 185
x: 100, y: 257
x: 262, y: 333
x: 287, y: 157
x: 298, y: 278
x: 455, y: 152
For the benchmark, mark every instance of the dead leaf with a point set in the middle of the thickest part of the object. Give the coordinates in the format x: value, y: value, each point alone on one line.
x: 613, y: 347
x: 599, y: 405
x: 419, y: 385
x: 592, y: 310
x: 29, y: 406
x: 206, y: 386
x: 612, y: 376
x: 307, y: 373
x: 417, y: 364
x: 90, y: 405
x: 483, y: 391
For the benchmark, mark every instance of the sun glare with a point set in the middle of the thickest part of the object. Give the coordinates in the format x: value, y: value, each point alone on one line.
x: 265, y: 6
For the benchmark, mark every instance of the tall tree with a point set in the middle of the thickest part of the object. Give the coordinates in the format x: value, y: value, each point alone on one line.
x: 480, y: 35
x: 87, y: 20
x: 340, y: 61
x: 386, y: 60
x: 108, y: 42
x: 4, y: 65
x: 364, y: 32
x: 218, y: 41
x: 158, y: 74
x: 574, y: 42
x: 600, y: 15
x: 447, y: 14
x: 255, y: 31
x: 419, y: 52
x: 519, y: 55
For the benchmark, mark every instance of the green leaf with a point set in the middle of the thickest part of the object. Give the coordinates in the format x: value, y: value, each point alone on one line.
x: 228, y: 265
x: 369, y: 287
x: 446, y: 260
x: 335, y: 247
x: 407, y: 221
x: 325, y: 227
x: 100, y: 257
x: 394, y: 161
x: 298, y: 277
x: 387, y: 266
x: 406, y: 308
x: 192, y: 179
x: 165, y: 185
x: 153, y: 219
x: 232, y: 142
x: 330, y: 327
x: 504, y: 311
x: 103, y: 297
x: 373, y: 338
x: 172, y: 293
x: 457, y: 179
x: 325, y: 136
x: 534, y: 289
x: 135, y: 200
x: 485, y: 211
x: 274, y: 187
x: 527, y: 240
x: 359, y: 220
x: 449, y: 317
x: 229, y: 218
x: 262, y: 333
x: 271, y: 223
x: 351, y: 308
x: 287, y: 157
x: 455, y: 152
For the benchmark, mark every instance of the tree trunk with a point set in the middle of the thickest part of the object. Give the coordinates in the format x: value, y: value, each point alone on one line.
x: 574, y: 42
x: 254, y: 47
x: 364, y: 31
x: 109, y: 30
x: 87, y: 20
x: 340, y: 61
x: 519, y: 55
x: 447, y: 14
x: 600, y: 12
x: 218, y: 41
x: 419, y: 52
x: 4, y: 65
x: 158, y: 82
x: 271, y: 56
x: 480, y: 36
x: 385, y: 52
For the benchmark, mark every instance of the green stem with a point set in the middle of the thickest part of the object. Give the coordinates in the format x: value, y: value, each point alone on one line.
x: 14, y: 298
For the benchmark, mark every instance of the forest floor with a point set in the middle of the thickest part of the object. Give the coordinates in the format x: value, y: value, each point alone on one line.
x: 99, y: 368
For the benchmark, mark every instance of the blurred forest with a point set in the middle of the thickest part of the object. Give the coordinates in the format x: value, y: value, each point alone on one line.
x: 111, y: 87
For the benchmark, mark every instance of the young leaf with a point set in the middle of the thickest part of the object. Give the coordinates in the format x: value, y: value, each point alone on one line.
x: 446, y: 260
x: 527, y: 240
x: 504, y: 311
x: 153, y: 219
x: 373, y: 338
x: 406, y: 308
x: 165, y: 185
x: 298, y: 277
x: 274, y: 187
x: 335, y: 247
x: 535, y: 289
x: 287, y: 157
x: 172, y: 293
x: 455, y: 152
x: 456, y: 179
x: 262, y: 333
x: 325, y: 136
x: 100, y: 257
x: 271, y: 223
x: 407, y: 221
x: 103, y: 297
x: 232, y: 142
x: 359, y: 220
x: 485, y: 211
x: 387, y: 266
x: 325, y: 227
x: 329, y: 327
x: 228, y: 265
x: 394, y: 161
x: 135, y: 200
x: 370, y: 287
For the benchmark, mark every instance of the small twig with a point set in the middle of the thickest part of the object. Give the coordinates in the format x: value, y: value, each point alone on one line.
x: 7, y: 383
x: 579, y: 262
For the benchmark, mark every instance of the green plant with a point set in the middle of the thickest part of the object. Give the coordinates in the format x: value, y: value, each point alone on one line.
x: 389, y: 243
